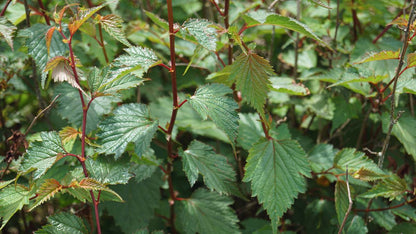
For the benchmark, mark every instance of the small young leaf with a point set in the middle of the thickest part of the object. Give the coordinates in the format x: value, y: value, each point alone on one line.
x: 201, y: 158
x: 130, y: 123
x: 276, y: 170
x: 69, y: 134
x: 7, y: 30
x: 113, y: 25
x: 411, y: 60
x: 210, y: 101
x: 92, y: 184
x: 203, y: 32
x: 42, y: 155
x: 46, y: 191
x: 12, y: 199
x: 383, y: 55
x: 392, y: 188
x: 207, y: 212
x: 108, y: 171
x: 82, y: 16
x: 49, y: 35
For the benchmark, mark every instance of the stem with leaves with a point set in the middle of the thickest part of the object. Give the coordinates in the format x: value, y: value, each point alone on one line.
x: 393, y: 118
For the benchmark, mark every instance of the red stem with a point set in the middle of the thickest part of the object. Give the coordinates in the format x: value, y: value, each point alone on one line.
x: 102, y: 44
x: 164, y: 65
x: 392, y: 80
x: 386, y: 29
x: 387, y: 208
x: 48, y: 22
x: 5, y: 8
x: 265, y: 130
x: 218, y: 8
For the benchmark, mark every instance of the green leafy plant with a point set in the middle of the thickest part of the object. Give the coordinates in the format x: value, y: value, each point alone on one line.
x: 207, y: 117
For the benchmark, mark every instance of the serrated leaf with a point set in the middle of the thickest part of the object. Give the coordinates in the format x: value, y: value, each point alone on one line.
x: 288, y: 85
x: 203, y: 32
x: 207, y: 212
x: 68, y: 134
x: 411, y: 60
x: 61, y: 71
x: 262, y: 17
x: 65, y: 222
x: 341, y: 200
x: 46, y: 191
x: 141, y: 200
x: 70, y: 108
x: 251, y: 74
x: 113, y: 25
x: 7, y: 29
x: 355, y: 160
x: 92, y: 184
x: 145, y: 166
x: 392, y: 188
x: 210, y: 101
x: 368, y: 175
x: 106, y: 170
x: 200, y: 158
x: 82, y: 16
x: 12, y: 199
x: 130, y: 123
x: 42, y: 155
x: 137, y: 61
x: 383, y: 55
x: 49, y: 35
x: 404, y: 130
x: 276, y: 170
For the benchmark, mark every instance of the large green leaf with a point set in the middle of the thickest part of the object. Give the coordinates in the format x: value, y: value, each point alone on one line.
x: 392, y: 187
x: 405, y: 131
x: 113, y: 25
x: 200, y: 158
x: 202, y: 30
x: 41, y: 155
x: 108, y: 171
x: 141, y: 199
x: 130, y: 123
x: 70, y: 108
x: 210, y: 101
x: 7, y: 30
x: 207, y: 212
x: 276, y: 170
x: 64, y: 222
x: 262, y: 17
x: 12, y: 199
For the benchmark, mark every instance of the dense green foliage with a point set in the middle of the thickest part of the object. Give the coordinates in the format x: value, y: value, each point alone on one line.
x: 207, y: 116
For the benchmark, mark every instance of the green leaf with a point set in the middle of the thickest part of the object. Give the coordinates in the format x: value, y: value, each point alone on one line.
x: 64, y: 222
x: 262, y: 17
x: 7, y: 29
x: 145, y: 166
x: 12, y: 199
x: 42, y: 155
x: 403, y: 228
x: 276, y: 170
x: 130, y: 123
x: 341, y: 200
x: 207, y: 212
x: 249, y: 130
x: 392, y: 187
x: 137, y: 61
x: 383, y: 55
x: 157, y: 20
x: 202, y: 30
x: 288, y: 85
x: 113, y: 25
x: 70, y: 108
x: 251, y: 73
x: 344, y: 110
x: 82, y: 16
x: 356, y: 226
x: 404, y: 130
x: 321, y: 157
x: 200, y: 158
x: 46, y: 191
x: 106, y: 170
x: 356, y: 161
x: 210, y: 101
x: 141, y: 200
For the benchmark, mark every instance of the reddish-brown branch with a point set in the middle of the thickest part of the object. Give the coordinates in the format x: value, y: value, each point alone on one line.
x: 5, y: 8
x: 165, y: 66
x: 386, y: 208
x: 220, y: 59
x: 386, y: 29
x: 47, y: 20
x: 102, y: 44
x: 265, y: 129
x: 392, y: 80
x: 218, y: 8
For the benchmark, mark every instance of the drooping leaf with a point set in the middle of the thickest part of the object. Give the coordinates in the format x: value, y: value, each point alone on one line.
x: 276, y: 170
x: 404, y: 130
x: 207, y: 212
x: 356, y: 161
x: 46, y: 191
x: 141, y: 200
x: 106, y: 170
x: 137, y: 61
x: 12, y: 199
x: 130, y: 123
x: 62, y: 71
x: 200, y: 158
x: 392, y: 187
x: 41, y: 155
x: 82, y: 16
x: 64, y: 222
x: 341, y: 200
x: 262, y: 17
x: 383, y: 55
x: 7, y: 30
x: 210, y: 101
x: 203, y: 32
x: 113, y: 25
x: 288, y: 85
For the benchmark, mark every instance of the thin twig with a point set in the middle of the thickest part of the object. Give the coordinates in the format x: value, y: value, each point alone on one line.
x: 386, y: 208
x: 349, y: 203
x: 394, y: 119
x: 40, y: 114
